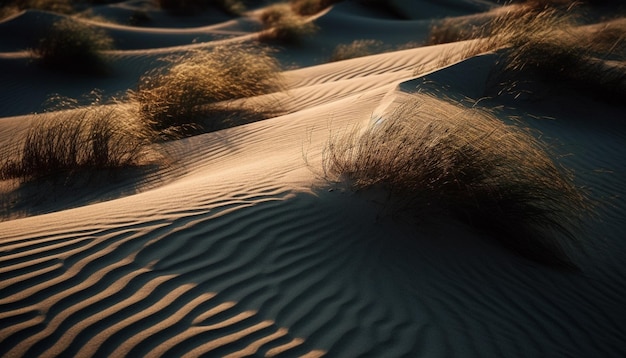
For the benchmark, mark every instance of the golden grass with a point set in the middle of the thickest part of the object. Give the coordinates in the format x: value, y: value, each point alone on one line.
x: 195, y: 92
x: 506, y: 29
x: 69, y: 143
x: 542, y: 4
x: 367, y: 47
x: 438, y: 157
x: 548, y: 44
x: 8, y: 11
x: 74, y: 47
x: 281, y: 23
x: 310, y: 7
x: 357, y: 48
x: 58, y: 6
x: 453, y: 30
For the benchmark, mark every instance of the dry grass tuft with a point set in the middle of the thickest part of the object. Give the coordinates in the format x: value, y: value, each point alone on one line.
x: 74, y: 47
x: 310, y: 7
x: 66, y: 144
x: 357, y: 48
x: 367, y: 47
x: 453, y: 30
x: 505, y: 30
x: 543, y: 4
x: 195, y: 93
x: 438, y: 157
x: 593, y: 61
x: 58, y: 6
x: 190, y: 7
x: 8, y: 10
x: 282, y: 23
x: 550, y: 45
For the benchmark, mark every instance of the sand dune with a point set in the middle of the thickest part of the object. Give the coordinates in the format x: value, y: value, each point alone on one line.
x: 238, y: 246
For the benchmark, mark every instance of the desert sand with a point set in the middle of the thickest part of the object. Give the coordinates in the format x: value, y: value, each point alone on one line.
x: 237, y: 245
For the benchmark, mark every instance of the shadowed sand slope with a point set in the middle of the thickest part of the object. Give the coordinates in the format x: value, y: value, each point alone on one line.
x: 238, y: 246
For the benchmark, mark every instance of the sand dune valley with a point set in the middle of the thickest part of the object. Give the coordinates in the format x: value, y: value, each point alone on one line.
x: 305, y: 178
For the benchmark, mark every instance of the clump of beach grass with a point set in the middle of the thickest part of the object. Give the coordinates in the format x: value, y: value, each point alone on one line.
x: 548, y: 44
x: 70, y: 143
x: 357, y: 48
x: 503, y: 29
x: 281, y: 23
x: 58, y: 6
x: 8, y: 10
x: 207, y: 90
x: 542, y: 4
x: 435, y: 156
x: 551, y: 45
x: 592, y: 60
x: 75, y: 47
x: 310, y: 7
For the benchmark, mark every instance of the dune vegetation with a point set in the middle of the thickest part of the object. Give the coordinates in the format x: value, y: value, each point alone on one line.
x: 310, y: 7
x: 437, y: 157
x: 282, y: 23
x: 58, y: 6
x: 65, y: 144
x: 541, y: 4
x: 366, y: 47
x: 194, y: 93
x: 550, y: 44
x: 74, y: 47
x: 357, y: 48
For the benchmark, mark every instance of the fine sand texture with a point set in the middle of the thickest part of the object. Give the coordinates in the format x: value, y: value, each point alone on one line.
x: 245, y: 230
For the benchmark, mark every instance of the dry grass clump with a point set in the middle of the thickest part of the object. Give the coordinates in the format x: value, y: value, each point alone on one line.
x: 75, y: 47
x: 549, y: 44
x: 310, y: 7
x: 437, y: 157
x: 552, y: 47
x: 450, y: 30
x: 69, y: 143
x: 282, y: 23
x: 542, y: 4
x: 8, y: 10
x: 189, y: 7
x: 357, y: 48
x: 195, y: 92
x: 502, y: 30
x: 58, y: 6
x: 590, y: 61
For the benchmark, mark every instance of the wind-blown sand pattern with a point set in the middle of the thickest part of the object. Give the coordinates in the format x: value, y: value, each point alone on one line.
x: 238, y: 247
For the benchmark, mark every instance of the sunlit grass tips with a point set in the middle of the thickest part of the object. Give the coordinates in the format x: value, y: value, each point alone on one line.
x: 194, y: 93
x: 438, y: 157
x: 64, y: 144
